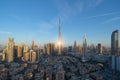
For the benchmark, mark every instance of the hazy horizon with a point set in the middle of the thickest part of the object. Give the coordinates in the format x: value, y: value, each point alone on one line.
x: 38, y: 20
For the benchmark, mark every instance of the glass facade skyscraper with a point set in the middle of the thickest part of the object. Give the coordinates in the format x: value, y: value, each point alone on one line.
x: 114, y: 43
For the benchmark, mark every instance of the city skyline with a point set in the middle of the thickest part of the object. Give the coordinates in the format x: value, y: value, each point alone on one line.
x: 39, y: 20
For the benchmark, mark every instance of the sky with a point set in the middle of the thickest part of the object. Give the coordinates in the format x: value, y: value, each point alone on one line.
x: 27, y: 20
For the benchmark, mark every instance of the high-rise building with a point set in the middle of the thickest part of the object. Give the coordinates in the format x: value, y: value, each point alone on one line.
x: 10, y: 50
x: 99, y: 48
x: 25, y: 48
x: 36, y: 49
x: 115, y: 43
x: 50, y: 48
x: 75, y: 47
x: 26, y: 56
x: 79, y: 49
x: 19, y: 51
x: 32, y: 56
x: 84, y: 48
x: 32, y: 44
x: 60, y: 40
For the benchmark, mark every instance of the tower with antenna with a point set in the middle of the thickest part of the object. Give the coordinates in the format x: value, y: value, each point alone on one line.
x: 59, y: 39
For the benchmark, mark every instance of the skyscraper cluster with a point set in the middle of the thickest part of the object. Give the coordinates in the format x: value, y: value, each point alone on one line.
x: 15, y: 52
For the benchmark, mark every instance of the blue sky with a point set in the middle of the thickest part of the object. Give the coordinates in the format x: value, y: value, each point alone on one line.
x: 25, y: 20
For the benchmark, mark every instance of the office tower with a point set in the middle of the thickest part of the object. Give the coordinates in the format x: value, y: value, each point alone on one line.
x: 99, y: 48
x: 25, y: 49
x: 84, y: 48
x: 50, y: 48
x: 32, y: 44
x: 60, y: 40
x: 114, y: 43
x: 19, y: 51
x: 26, y: 56
x: 75, y: 47
x: 32, y: 56
x: 79, y: 49
x: 10, y: 50
x: 36, y: 49
x: 15, y: 51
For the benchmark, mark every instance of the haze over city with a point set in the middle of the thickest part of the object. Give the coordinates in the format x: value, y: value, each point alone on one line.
x: 25, y: 20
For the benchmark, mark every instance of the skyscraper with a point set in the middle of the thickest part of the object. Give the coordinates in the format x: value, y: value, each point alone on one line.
x: 50, y: 48
x: 75, y: 47
x: 32, y: 56
x: 25, y: 48
x: 114, y: 43
x: 26, y: 56
x: 10, y: 50
x: 19, y: 51
x: 60, y: 39
x: 99, y: 48
x: 84, y: 48
x: 32, y: 44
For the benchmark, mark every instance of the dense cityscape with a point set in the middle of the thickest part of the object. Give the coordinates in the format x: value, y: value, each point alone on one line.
x: 59, y: 39
x: 56, y: 62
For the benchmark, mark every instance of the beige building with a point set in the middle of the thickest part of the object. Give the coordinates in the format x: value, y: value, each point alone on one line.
x: 26, y: 56
x: 10, y: 50
x: 50, y: 47
x: 32, y: 56
x: 25, y: 48
x: 19, y: 51
x: 2, y: 56
x: 79, y: 49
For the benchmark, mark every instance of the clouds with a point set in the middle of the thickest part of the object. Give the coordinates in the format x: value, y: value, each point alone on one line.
x: 112, y: 20
x: 5, y: 33
x: 102, y: 15
x: 68, y: 8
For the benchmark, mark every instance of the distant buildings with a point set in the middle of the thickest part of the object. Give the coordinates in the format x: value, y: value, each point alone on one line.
x: 32, y: 44
x: 114, y: 43
x: 75, y: 47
